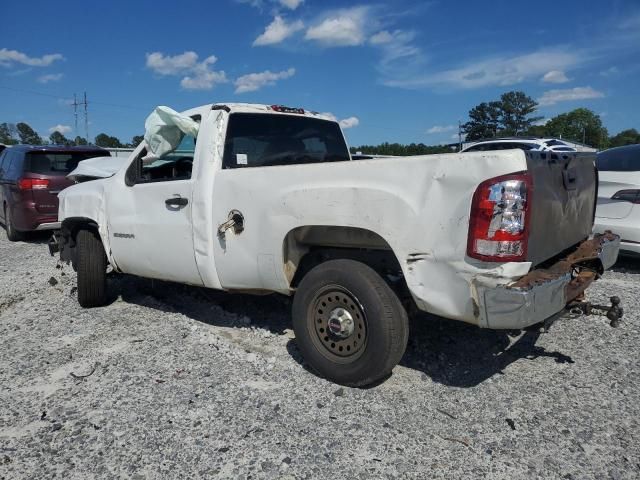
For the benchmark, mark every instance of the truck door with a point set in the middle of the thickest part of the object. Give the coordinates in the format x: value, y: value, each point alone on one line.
x: 149, y: 217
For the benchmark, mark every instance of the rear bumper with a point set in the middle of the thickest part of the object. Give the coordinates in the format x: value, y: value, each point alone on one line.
x: 543, y: 293
x: 48, y: 226
x: 27, y: 218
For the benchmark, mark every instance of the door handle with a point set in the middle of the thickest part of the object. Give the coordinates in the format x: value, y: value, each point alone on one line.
x: 176, y: 202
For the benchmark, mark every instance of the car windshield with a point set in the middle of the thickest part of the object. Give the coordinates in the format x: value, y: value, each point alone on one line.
x: 260, y: 140
x: 58, y: 163
x: 624, y: 159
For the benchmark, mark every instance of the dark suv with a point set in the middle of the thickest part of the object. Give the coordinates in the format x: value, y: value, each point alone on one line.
x: 31, y: 178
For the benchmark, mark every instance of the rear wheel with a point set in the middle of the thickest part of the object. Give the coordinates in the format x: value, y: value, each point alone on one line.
x: 12, y: 234
x: 350, y: 326
x: 92, y: 269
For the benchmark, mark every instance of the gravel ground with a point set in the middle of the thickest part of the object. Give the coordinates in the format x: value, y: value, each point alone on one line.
x: 179, y: 382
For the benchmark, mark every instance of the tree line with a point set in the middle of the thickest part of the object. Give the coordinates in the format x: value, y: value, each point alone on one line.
x: 11, y: 134
x: 513, y: 114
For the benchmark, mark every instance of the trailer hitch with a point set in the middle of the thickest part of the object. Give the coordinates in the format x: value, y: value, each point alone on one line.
x: 614, y: 312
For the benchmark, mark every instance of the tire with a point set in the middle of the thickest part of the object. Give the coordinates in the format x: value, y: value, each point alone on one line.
x: 92, y: 270
x: 350, y: 326
x: 12, y: 234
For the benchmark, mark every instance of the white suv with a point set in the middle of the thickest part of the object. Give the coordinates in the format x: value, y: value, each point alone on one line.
x: 523, y: 143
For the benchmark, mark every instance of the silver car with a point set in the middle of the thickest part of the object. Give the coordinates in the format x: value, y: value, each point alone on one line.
x: 618, y: 207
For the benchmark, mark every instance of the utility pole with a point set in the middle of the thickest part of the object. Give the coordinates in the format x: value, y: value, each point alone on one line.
x: 86, y: 117
x: 76, y: 104
x: 75, y: 112
x: 459, y: 136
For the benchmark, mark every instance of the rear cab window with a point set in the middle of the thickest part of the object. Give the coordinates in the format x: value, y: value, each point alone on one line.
x: 262, y: 140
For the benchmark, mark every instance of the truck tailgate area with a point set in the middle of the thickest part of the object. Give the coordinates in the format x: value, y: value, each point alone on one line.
x: 564, y: 199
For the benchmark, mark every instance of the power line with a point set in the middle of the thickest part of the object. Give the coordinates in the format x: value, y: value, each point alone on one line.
x: 70, y: 100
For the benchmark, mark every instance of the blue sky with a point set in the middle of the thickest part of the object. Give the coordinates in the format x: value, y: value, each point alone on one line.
x: 402, y: 71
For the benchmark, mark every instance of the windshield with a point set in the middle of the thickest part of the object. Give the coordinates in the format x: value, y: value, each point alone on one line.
x: 260, y: 140
x: 58, y: 163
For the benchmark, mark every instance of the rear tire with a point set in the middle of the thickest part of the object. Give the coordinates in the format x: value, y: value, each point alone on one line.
x: 12, y: 234
x: 92, y: 270
x: 349, y: 324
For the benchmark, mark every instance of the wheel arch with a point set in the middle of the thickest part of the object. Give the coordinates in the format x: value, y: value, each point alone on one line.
x: 304, y: 247
x: 69, y: 228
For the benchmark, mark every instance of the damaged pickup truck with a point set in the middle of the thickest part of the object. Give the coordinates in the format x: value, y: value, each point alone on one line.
x: 254, y: 198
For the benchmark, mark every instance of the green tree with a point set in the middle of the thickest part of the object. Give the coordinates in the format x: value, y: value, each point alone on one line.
x: 625, y: 137
x: 80, y: 140
x: 28, y: 135
x: 484, y: 121
x: 581, y: 125
x: 8, y: 132
x: 511, y: 115
x: 137, y: 140
x: 516, y: 108
x: 59, y: 139
x: 104, y: 140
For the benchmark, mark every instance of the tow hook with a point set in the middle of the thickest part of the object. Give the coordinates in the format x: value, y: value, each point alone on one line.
x: 614, y: 312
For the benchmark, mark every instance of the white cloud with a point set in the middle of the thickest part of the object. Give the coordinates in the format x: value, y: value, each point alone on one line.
x: 345, y: 123
x: 255, y: 81
x: 442, y: 129
x: 341, y: 28
x: 291, y: 4
x: 541, y: 122
x: 609, y: 72
x: 551, y: 97
x: 555, y: 76
x: 499, y: 71
x: 51, y: 77
x: 172, y: 65
x: 277, y: 31
x: 9, y: 57
x: 63, y: 129
x: 196, y: 75
x: 349, y: 122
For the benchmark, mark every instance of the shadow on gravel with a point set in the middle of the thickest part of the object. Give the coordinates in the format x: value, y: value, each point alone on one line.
x: 460, y: 355
x: 627, y: 264
x: 222, y: 309
x: 448, y: 352
x: 41, y: 237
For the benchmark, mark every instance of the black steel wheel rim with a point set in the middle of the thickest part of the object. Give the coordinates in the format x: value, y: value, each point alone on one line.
x: 330, y: 302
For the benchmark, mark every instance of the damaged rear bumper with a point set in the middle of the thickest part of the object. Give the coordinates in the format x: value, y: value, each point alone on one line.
x: 545, y: 292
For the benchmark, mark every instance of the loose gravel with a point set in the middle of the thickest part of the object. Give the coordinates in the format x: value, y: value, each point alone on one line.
x: 169, y: 381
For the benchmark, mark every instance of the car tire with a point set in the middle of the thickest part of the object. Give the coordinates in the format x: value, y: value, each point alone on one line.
x: 92, y: 270
x: 349, y: 324
x: 12, y: 234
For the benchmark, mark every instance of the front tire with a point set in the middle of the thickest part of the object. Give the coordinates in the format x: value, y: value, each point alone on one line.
x: 349, y: 324
x: 92, y: 270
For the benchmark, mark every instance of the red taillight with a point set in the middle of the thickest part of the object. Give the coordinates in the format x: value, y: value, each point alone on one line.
x: 632, y: 196
x: 498, y: 226
x: 33, y: 184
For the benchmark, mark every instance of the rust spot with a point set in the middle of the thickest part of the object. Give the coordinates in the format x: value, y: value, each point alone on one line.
x: 586, y: 252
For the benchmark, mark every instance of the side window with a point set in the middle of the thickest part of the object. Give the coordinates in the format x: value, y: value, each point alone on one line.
x: 176, y: 165
x: 3, y: 155
x: 14, y: 170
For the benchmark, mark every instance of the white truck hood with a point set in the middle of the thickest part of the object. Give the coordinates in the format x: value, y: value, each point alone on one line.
x: 97, y: 167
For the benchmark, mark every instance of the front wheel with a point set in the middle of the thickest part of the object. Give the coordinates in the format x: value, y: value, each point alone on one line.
x: 92, y: 270
x: 350, y: 326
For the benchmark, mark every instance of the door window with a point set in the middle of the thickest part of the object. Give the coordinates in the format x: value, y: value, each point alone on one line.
x: 175, y: 165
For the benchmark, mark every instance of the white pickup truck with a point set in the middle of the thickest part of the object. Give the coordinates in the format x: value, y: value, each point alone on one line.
x: 267, y: 199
